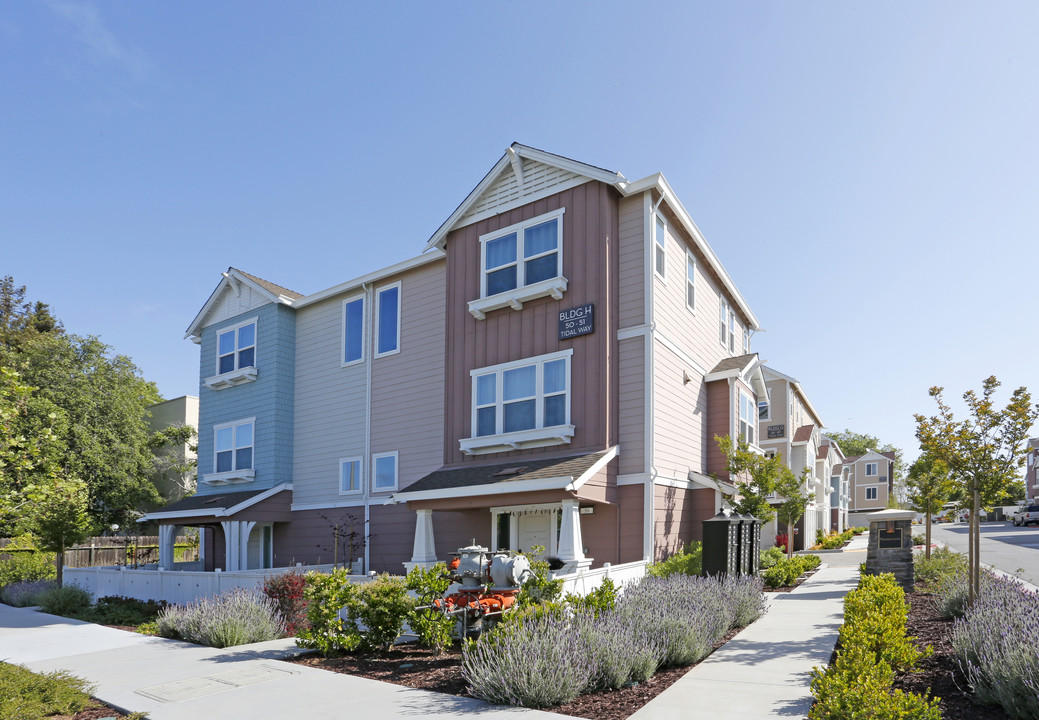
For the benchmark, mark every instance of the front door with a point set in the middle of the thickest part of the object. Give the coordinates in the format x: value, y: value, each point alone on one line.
x: 533, y: 530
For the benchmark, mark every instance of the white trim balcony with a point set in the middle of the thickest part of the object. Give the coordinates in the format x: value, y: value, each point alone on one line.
x: 230, y: 379
x: 515, y: 298
x: 229, y: 478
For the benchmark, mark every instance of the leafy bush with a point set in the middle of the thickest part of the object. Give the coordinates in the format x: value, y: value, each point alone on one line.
x: 819, y: 536
x: 787, y: 570
x: 66, y: 601
x: 237, y: 617
x: 326, y: 595
x: 942, y: 563
x: 25, y: 695
x: 858, y: 684
x: 29, y: 563
x: 115, y: 610
x: 836, y: 540
x: 26, y: 593
x: 781, y: 541
x: 919, y: 539
x: 287, y: 591
x: 598, y: 601
x: 687, y: 561
x: 768, y: 558
x: 431, y: 625
x: 381, y: 606
x: 859, y: 530
x: 996, y: 645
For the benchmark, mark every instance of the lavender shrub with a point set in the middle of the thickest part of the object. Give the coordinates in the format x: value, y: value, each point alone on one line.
x: 746, y: 598
x: 237, y: 617
x: 996, y: 642
x: 26, y: 593
x: 617, y: 654
x: 536, y: 661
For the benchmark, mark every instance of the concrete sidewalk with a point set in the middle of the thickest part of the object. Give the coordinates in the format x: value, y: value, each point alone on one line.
x: 763, y: 672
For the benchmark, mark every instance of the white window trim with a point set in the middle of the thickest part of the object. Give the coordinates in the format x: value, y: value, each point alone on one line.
x: 230, y: 477
x: 723, y: 322
x: 752, y: 422
x: 690, y: 260
x: 396, y: 471
x: 534, y: 437
x: 375, y: 323
x: 876, y: 469
x: 238, y: 376
x: 660, y: 221
x: 876, y: 492
x: 364, y: 328
x: 768, y: 405
x: 554, y: 287
x: 360, y: 475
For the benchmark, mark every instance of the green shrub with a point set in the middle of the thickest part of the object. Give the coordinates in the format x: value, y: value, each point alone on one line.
x: 875, y: 617
x: 26, y: 695
x: 327, y: 594
x: 859, y: 530
x: 942, y: 563
x: 431, y: 625
x: 919, y: 539
x: 688, y: 561
x: 836, y: 540
x: 787, y: 570
x: 596, y: 602
x: 768, y: 558
x: 25, y: 561
x: 67, y: 601
x: 115, y: 610
x: 382, y: 606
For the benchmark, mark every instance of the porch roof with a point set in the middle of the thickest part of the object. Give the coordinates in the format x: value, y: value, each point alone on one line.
x: 213, y: 504
x: 521, y: 474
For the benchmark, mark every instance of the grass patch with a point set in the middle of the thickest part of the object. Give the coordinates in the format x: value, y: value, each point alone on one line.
x: 25, y: 695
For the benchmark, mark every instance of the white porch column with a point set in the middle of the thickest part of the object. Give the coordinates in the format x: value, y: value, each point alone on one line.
x: 230, y: 544
x: 167, y: 535
x: 423, y: 552
x: 571, y: 547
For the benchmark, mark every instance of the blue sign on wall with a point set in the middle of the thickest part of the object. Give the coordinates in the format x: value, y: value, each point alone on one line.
x: 576, y: 321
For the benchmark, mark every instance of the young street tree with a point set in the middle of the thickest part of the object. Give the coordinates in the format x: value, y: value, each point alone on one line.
x: 762, y: 477
x: 983, y: 452
x: 929, y: 488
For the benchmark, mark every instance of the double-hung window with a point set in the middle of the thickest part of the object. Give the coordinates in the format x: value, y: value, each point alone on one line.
x: 387, y: 320
x: 660, y: 248
x: 523, y: 254
x: 748, y: 418
x: 234, y: 447
x: 690, y: 282
x: 353, y: 330
x: 527, y: 400
x: 723, y: 320
x: 871, y: 493
x: 349, y: 476
x: 871, y: 469
x: 732, y: 331
x: 236, y: 348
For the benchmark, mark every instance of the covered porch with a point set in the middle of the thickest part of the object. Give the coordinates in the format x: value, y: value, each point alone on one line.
x: 565, y: 505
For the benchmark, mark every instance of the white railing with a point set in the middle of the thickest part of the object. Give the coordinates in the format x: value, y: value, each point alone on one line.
x: 174, y: 586
x: 583, y: 582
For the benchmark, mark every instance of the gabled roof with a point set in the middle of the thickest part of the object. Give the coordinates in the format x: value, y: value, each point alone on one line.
x: 745, y: 367
x: 773, y: 374
x: 272, y: 292
x: 214, y: 504
x: 521, y: 474
x: 512, y: 162
x: 803, y: 433
x: 823, y: 452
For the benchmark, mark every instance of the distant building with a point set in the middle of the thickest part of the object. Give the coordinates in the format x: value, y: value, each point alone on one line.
x: 172, y: 481
x: 1032, y: 471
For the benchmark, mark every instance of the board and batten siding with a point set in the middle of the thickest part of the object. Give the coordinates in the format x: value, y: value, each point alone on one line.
x: 589, y: 264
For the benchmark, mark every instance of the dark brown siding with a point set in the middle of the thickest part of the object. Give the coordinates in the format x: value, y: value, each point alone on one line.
x: 630, y: 522
x: 599, y: 534
x: 719, y: 408
x: 590, y: 228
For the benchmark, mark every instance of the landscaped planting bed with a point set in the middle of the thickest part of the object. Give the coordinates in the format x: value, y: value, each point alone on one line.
x: 25, y: 695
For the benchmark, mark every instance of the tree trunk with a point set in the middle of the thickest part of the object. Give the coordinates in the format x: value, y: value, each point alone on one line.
x: 59, y: 566
x: 970, y: 561
x: 927, y: 531
x: 976, y: 513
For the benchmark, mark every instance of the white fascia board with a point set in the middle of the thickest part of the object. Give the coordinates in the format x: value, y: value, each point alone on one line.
x: 374, y: 276
x: 659, y: 182
x: 705, y: 481
x: 596, y: 467
x: 563, y: 482
x: 757, y: 381
x: 523, y: 151
x: 216, y: 512
x: 808, y: 403
x: 258, y: 498
x: 195, y: 327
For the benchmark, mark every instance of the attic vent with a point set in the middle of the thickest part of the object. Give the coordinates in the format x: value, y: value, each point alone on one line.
x: 213, y: 501
x: 504, y: 472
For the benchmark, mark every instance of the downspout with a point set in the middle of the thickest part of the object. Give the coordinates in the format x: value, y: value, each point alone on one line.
x: 369, y: 357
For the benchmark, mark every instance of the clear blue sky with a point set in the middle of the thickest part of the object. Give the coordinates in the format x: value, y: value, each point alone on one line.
x: 868, y: 172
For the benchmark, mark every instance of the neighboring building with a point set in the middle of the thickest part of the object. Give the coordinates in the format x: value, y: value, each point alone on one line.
x: 1032, y: 471
x: 551, y: 371
x: 840, y: 494
x: 174, y: 478
x: 790, y: 427
x: 870, y: 483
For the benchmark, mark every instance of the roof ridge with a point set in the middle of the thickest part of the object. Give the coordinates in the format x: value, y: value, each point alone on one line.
x: 268, y: 285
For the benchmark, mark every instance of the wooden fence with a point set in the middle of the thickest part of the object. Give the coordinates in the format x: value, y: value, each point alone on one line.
x: 106, y: 551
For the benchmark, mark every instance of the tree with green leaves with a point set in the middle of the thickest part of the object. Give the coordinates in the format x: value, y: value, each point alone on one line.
x: 930, y: 487
x: 174, y: 470
x: 57, y: 515
x: 984, y: 452
x: 792, y: 491
x: 22, y: 321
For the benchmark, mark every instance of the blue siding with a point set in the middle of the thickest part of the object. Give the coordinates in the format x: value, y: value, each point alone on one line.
x: 269, y: 399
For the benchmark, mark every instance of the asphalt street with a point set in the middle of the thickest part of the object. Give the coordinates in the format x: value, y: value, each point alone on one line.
x: 1014, y: 550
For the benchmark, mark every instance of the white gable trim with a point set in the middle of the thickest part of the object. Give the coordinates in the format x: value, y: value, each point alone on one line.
x: 232, y: 280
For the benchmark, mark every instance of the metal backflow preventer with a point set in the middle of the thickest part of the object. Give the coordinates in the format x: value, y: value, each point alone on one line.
x: 489, y: 582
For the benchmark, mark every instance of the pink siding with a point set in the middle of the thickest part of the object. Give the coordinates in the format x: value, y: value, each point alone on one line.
x: 679, y: 515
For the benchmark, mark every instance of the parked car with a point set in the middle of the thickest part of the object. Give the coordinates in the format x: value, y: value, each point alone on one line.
x: 1026, y: 514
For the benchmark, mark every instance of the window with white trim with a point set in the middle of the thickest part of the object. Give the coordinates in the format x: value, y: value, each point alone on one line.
x: 723, y: 320
x: 234, y: 447
x: 353, y: 330
x: 350, y: 476
x: 236, y: 347
x: 384, y: 471
x: 748, y: 420
x: 690, y: 281
x: 523, y: 395
x: 765, y: 407
x: 387, y: 320
x: 732, y: 331
x: 660, y: 248
x: 522, y: 254
x: 871, y: 469
x: 871, y: 493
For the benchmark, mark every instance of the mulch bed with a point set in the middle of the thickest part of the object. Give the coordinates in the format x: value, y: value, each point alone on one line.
x: 418, y: 668
x: 940, y: 672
